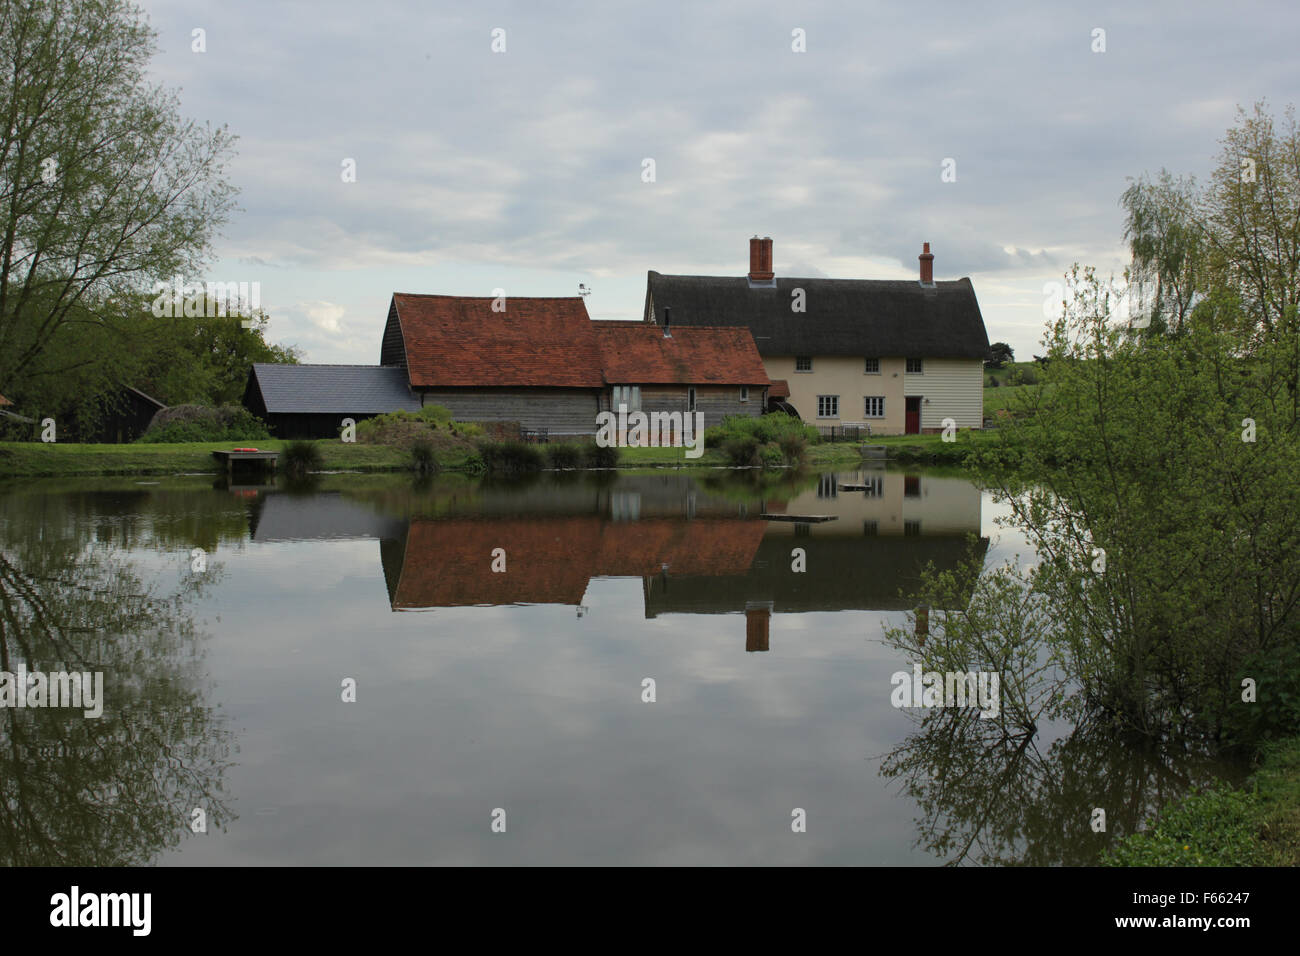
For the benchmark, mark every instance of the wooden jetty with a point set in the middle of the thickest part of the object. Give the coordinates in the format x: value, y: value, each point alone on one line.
x: 261, y: 460
x: 802, y: 519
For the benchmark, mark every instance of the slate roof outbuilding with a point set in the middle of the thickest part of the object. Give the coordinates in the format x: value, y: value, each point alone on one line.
x: 329, y: 389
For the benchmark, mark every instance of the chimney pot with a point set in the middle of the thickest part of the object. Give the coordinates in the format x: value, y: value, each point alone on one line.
x: 760, y: 259
x: 927, y: 265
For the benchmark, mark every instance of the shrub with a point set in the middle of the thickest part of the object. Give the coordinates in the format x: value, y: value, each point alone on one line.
x: 772, y: 456
x: 301, y: 457
x: 195, y: 423
x: 743, y: 451
x: 1219, y: 827
x: 792, y: 447
x: 510, y: 457
x: 763, y: 428
x: 563, y: 456
x: 597, y: 456
x: 424, y: 460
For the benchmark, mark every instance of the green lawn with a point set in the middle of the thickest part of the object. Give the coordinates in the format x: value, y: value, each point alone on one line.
x: 64, y: 459
x: 37, y: 459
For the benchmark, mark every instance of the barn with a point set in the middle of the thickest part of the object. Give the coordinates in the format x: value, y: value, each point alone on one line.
x: 311, y: 401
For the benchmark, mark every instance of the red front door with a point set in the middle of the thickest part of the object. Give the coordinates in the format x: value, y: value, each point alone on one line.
x: 913, y: 424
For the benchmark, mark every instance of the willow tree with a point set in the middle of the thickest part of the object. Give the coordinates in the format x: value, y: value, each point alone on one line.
x: 104, y: 187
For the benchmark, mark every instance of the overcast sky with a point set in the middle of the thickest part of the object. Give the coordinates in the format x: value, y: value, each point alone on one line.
x: 522, y: 170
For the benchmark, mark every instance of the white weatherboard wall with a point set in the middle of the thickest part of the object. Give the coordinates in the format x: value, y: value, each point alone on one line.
x: 954, y: 388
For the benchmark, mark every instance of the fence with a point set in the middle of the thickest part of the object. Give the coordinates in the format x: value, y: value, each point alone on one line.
x: 835, y: 433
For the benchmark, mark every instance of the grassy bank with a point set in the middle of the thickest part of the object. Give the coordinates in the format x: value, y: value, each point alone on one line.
x: 38, y: 460
x: 62, y: 459
x: 1258, y: 825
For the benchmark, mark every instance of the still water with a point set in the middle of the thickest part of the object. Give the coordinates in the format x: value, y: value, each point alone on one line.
x: 501, y: 638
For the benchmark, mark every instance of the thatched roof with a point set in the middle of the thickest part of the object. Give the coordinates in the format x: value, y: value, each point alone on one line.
x: 859, y: 317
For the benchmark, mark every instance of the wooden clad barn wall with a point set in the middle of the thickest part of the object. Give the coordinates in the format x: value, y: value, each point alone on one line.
x: 715, y: 401
x: 559, y: 410
x: 393, y: 349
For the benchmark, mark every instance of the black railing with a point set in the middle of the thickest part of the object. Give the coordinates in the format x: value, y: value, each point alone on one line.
x: 844, y: 432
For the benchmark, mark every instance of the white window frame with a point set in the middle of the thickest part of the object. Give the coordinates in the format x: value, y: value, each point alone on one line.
x: 690, y: 399
x: 866, y: 406
x: 804, y: 371
x: 629, y: 395
x: 828, y: 398
x: 866, y: 366
x: 920, y: 366
x: 744, y: 393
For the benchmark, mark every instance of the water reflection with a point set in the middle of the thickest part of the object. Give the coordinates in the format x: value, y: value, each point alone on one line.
x: 698, y: 549
x: 499, y: 688
x: 118, y: 789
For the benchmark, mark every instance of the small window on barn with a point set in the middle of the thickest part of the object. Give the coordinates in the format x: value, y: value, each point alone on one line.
x: 803, y: 363
x: 872, y: 367
x: 828, y: 406
x: 914, y: 366
x: 690, y: 399
x: 629, y: 395
x: 744, y: 393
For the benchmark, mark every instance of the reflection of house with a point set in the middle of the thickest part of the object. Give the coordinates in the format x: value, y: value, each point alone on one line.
x: 704, y: 565
x: 552, y: 559
x: 899, y: 355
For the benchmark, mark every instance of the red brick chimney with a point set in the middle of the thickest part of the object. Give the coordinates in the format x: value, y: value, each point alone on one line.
x: 758, y: 615
x: 760, y: 259
x: 927, y: 266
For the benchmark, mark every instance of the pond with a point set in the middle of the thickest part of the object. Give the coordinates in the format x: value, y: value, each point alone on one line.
x: 601, y: 668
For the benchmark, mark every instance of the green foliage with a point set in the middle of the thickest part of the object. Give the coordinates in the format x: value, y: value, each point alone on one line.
x: 84, y: 222
x: 762, y: 428
x: 300, y: 457
x: 404, y: 428
x: 743, y: 452
x: 510, y: 458
x: 792, y: 447
x: 772, y: 439
x: 1217, y: 827
x: 1134, y: 445
x: 1000, y: 353
x: 196, y: 423
x: 424, y: 459
x: 600, y: 456
x: 563, y: 456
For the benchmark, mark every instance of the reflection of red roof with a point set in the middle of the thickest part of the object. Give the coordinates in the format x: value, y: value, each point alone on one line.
x: 780, y: 388
x: 635, y: 352
x: 459, y: 341
x: 5, y: 401
x: 447, y: 563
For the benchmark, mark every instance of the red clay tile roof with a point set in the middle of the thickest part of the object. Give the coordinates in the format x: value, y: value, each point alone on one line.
x: 638, y: 353
x: 459, y: 341
x: 780, y: 388
x: 551, y: 560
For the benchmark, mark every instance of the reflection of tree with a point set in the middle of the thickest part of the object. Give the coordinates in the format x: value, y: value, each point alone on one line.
x: 988, y: 793
x: 991, y: 796
x: 118, y: 789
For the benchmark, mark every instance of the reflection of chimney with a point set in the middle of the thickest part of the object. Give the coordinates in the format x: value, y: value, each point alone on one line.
x: 760, y: 259
x: 922, y: 623
x: 758, y: 615
x: 668, y: 320
x: 927, y: 266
